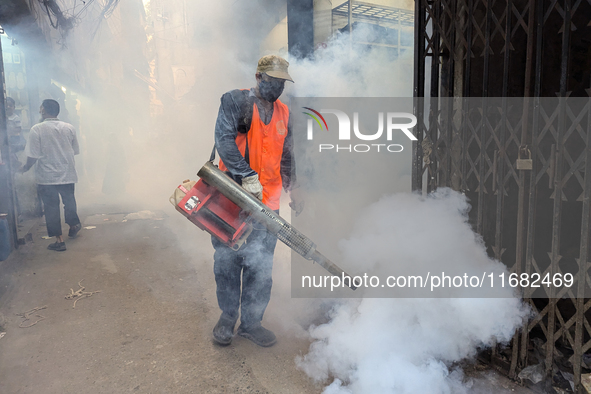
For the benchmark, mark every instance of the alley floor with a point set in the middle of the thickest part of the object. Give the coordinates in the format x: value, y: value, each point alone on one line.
x: 147, y: 329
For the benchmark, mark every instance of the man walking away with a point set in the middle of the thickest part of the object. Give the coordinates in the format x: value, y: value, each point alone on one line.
x: 51, y: 148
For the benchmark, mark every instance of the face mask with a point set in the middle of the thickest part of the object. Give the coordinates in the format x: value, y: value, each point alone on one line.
x: 271, y: 90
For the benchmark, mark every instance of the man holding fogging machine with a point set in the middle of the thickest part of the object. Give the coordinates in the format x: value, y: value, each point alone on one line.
x: 253, y: 138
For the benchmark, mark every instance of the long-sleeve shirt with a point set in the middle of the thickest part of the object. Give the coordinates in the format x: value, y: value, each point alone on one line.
x: 235, y: 116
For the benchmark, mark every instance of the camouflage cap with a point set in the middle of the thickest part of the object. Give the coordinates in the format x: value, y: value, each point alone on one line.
x: 274, y: 66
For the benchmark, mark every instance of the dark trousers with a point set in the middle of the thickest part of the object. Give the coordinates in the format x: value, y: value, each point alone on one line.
x: 254, y: 264
x: 50, y: 195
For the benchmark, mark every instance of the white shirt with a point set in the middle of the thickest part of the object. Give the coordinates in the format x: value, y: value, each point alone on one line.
x: 53, y: 143
x: 13, y: 123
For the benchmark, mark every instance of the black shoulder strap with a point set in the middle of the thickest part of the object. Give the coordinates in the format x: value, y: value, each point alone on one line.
x: 246, y: 153
x: 212, y: 156
x: 246, y: 109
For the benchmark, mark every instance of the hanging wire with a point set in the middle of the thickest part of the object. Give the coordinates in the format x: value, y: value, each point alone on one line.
x: 65, y: 19
x: 61, y: 20
x: 87, y: 4
x: 105, y: 13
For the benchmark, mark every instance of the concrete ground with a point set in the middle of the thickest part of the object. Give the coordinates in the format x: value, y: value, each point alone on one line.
x: 148, y: 330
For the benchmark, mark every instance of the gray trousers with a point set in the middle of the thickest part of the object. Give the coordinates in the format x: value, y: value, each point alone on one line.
x: 244, y: 277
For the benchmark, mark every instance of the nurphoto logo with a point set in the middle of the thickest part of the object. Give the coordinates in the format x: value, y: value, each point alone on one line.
x: 393, y: 124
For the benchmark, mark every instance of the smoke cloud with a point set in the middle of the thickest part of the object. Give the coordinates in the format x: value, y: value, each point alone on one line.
x: 147, y: 139
x: 345, y: 70
x: 396, y: 345
x: 409, y: 345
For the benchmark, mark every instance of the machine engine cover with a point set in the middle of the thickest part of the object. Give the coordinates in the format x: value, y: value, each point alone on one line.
x: 211, y: 211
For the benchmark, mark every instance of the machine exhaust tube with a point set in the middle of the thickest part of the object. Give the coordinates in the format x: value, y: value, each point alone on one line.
x: 274, y: 223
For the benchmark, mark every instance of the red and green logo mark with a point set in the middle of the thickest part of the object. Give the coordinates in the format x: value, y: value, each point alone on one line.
x: 315, y: 118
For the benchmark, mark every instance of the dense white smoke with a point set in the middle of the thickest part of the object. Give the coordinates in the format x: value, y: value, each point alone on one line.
x: 369, y: 345
x: 408, y: 345
x: 398, y: 345
x: 345, y: 70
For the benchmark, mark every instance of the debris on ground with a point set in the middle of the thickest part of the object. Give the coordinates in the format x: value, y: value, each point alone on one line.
x: 535, y: 373
x: 563, y: 382
x: 586, y: 381
x: 96, y: 220
x: 80, y: 294
x: 89, y: 227
x: 2, y: 334
x: 570, y: 380
x: 141, y: 215
x: 27, y: 316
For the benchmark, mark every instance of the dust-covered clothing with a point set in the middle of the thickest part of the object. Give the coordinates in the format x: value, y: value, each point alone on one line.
x: 253, y: 263
x: 53, y: 143
x: 251, y: 141
x: 235, y: 116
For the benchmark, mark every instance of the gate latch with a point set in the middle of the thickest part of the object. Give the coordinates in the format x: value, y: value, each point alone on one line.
x: 524, y: 164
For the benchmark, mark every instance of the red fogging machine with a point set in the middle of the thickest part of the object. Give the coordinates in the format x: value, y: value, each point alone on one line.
x: 218, y: 205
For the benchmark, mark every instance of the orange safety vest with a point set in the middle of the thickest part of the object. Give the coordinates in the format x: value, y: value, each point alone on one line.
x: 265, y: 149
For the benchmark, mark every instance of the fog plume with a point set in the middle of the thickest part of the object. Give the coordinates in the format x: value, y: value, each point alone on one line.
x: 143, y: 137
x: 398, y: 345
x: 404, y: 345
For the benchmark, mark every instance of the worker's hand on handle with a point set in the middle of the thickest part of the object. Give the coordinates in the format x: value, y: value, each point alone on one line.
x: 252, y: 185
x: 297, y: 201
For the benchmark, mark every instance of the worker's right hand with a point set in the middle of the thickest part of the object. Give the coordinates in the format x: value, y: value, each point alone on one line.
x: 252, y: 185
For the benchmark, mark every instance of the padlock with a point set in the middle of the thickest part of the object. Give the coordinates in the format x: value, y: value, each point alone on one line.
x: 524, y: 164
